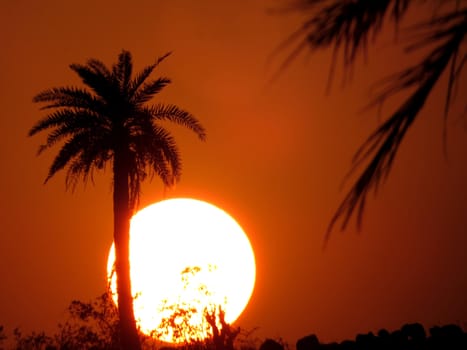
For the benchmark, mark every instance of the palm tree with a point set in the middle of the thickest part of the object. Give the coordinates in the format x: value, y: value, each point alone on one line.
x: 347, y: 26
x: 110, y: 121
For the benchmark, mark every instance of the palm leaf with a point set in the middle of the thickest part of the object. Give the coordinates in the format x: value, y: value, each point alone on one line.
x: 94, y: 156
x: 98, y: 82
x: 68, y: 152
x: 100, y: 68
x: 165, y: 157
x: 148, y: 90
x: 144, y: 74
x: 80, y: 122
x: 69, y: 97
x: 123, y: 69
x: 175, y: 114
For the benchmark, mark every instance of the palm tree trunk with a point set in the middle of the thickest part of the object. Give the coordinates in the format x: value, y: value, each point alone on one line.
x: 129, y: 338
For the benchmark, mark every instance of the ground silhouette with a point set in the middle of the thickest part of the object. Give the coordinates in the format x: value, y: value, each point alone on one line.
x: 94, y: 326
x: 408, y: 337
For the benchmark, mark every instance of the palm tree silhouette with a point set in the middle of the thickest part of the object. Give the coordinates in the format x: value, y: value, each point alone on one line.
x: 347, y: 27
x: 110, y: 121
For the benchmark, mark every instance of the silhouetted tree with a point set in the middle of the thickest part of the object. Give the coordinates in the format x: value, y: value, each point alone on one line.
x: 414, y: 332
x: 2, y: 336
x: 110, y: 121
x: 366, y: 341
x: 33, y: 341
x: 197, y: 320
x: 271, y: 344
x: 409, y: 337
x: 223, y: 336
x: 309, y: 342
x: 347, y: 26
x: 90, y: 325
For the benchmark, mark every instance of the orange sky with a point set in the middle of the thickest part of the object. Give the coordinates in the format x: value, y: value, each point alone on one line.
x: 275, y: 157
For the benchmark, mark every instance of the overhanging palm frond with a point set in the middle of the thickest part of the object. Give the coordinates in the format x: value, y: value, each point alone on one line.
x: 382, y: 145
x: 446, y: 25
x: 341, y: 24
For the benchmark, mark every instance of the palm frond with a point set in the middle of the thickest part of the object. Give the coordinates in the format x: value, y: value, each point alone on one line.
x: 68, y: 97
x: 68, y: 152
x: 67, y: 121
x: 94, y: 156
x: 76, y: 123
x: 122, y: 70
x: 51, y: 120
x: 57, y: 119
x: 144, y: 74
x: 148, y: 90
x: 154, y: 153
x: 98, y: 82
x: 164, y: 157
x: 99, y: 67
x: 176, y: 115
x: 382, y: 145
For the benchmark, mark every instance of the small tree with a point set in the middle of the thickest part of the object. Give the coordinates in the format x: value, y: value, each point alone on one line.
x: 91, y: 325
x: 196, y: 322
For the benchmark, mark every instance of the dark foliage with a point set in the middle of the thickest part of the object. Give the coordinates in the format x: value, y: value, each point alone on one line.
x: 409, y: 337
x: 94, y: 325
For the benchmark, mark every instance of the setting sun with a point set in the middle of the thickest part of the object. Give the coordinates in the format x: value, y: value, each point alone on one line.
x: 188, y: 258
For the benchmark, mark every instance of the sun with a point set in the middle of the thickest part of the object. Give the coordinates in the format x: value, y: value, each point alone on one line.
x: 188, y: 259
